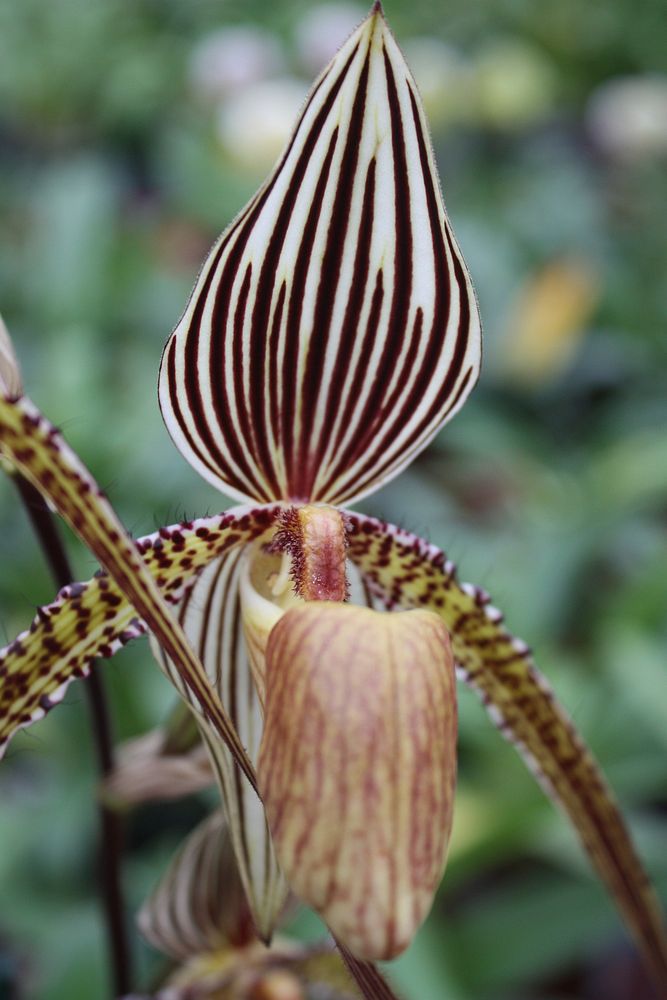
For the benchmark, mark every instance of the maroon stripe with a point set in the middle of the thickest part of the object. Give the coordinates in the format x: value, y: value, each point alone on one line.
x: 170, y: 357
x: 272, y: 350
x: 287, y: 406
x: 443, y: 269
x: 262, y: 303
x: 266, y: 284
x: 238, y: 446
x: 216, y: 370
x: 435, y: 343
x: 193, y: 374
x: 462, y: 333
x: 350, y: 331
x: 244, y: 418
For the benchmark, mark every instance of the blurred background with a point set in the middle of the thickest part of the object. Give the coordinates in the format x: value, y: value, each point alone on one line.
x: 131, y: 132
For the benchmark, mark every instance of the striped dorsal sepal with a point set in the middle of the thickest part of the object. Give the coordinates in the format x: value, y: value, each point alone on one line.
x: 333, y: 329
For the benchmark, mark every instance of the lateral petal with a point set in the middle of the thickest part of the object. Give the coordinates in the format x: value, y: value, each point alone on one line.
x: 92, y: 620
x: 210, y: 614
x: 40, y: 454
x: 407, y: 572
x: 334, y: 328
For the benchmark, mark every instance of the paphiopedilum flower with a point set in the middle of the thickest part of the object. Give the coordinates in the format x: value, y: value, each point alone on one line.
x: 333, y: 330
x: 198, y: 915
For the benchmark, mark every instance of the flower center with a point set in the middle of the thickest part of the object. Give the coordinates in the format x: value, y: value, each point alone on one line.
x: 304, y: 561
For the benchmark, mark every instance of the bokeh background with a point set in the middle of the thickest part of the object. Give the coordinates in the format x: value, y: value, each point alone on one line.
x: 131, y: 131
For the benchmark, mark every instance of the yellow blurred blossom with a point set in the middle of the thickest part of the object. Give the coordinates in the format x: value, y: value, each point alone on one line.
x: 548, y: 319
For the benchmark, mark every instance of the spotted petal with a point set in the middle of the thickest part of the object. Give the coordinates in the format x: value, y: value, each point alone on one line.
x: 407, y: 572
x: 333, y: 329
x: 94, y: 619
x: 41, y: 455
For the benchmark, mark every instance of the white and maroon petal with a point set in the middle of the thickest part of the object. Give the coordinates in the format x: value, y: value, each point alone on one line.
x: 210, y: 614
x: 333, y: 329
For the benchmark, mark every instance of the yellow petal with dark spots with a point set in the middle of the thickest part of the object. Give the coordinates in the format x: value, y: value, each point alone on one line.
x: 41, y: 455
x: 95, y: 619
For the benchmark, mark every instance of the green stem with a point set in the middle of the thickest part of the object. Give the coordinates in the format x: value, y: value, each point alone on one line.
x: 111, y: 831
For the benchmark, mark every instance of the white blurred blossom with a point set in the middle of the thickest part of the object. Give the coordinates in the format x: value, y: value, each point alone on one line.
x: 444, y: 79
x: 255, y: 125
x: 228, y: 60
x: 627, y: 116
x: 322, y: 30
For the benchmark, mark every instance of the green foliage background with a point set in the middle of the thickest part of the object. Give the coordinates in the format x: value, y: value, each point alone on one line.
x: 551, y: 492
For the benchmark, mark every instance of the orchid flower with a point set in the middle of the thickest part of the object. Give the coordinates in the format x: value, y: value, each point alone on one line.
x: 198, y: 915
x: 332, y: 332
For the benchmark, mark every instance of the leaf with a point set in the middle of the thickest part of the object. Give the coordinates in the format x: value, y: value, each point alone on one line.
x: 38, y: 451
x: 408, y: 572
x: 333, y: 329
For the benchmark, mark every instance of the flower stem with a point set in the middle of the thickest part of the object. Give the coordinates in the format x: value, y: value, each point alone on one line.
x: 111, y: 832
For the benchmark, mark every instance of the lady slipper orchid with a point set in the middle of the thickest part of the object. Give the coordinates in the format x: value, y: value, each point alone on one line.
x: 333, y: 330
x: 198, y: 915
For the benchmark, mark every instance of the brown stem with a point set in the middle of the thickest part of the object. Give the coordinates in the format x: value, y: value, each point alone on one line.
x: 111, y: 832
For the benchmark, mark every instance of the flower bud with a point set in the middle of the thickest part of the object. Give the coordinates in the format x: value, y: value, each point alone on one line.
x: 357, y: 766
